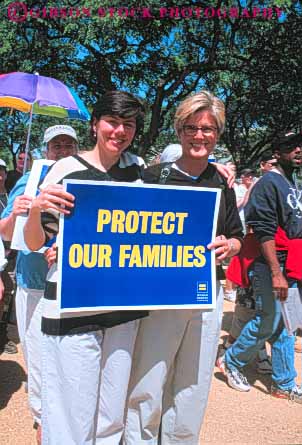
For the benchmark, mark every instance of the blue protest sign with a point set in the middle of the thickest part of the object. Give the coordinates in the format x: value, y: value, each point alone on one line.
x: 133, y: 246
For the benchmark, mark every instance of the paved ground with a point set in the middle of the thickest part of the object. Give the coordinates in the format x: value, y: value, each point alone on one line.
x: 236, y: 418
x: 233, y: 418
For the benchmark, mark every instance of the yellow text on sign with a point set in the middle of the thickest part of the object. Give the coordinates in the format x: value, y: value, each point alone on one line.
x: 141, y: 221
x: 161, y: 256
x: 129, y: 256
x: 90, y: 255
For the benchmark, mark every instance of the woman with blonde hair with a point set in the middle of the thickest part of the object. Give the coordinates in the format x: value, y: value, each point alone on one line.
x: 175, y: 349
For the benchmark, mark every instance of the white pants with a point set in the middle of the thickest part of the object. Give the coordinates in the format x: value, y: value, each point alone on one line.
x: 28, y: 310
x: 171, y: 376
x: 26, y: 303
x: 85, y: 383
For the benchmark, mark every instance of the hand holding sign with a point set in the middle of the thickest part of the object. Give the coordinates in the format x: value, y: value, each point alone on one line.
x: 21, y: 205
x: 224, y: 247
x: 50, y: 255
x: 54, y: 197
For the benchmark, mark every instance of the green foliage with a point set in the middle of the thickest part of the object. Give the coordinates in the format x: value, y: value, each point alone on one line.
x: 14, y: 128
x: 253, y: 64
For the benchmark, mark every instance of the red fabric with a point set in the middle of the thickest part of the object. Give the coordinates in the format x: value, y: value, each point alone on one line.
x: 237, y: 272
x: 293, y: 263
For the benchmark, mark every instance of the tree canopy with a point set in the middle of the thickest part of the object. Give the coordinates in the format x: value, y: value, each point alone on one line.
x: 252, y: 63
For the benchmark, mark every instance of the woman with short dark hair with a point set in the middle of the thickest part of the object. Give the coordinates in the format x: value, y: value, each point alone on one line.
x: 86, y: 359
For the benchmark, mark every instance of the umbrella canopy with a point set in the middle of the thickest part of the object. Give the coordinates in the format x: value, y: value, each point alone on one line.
x: 40, y: 95
x: 36, y: 94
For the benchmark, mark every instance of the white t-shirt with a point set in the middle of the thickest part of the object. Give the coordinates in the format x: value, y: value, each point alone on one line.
x: 240, y: 191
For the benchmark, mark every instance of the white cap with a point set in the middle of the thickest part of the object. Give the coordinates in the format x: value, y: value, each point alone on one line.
x: 171, y: 153
x: 3, y: 163
x: 57, y: 130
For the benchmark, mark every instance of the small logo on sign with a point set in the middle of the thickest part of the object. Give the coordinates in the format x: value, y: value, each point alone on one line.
x: 202, y: 287
x: 202, y: 293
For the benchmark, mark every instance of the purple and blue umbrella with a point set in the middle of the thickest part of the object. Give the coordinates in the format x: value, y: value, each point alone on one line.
x: 40, y: 95
x: 36, y: 94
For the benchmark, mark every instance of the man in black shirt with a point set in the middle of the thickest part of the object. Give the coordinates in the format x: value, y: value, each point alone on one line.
x: 275, y: 202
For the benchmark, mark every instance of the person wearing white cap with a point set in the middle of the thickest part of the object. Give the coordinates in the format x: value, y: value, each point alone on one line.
x: 32, y: 267
x: 61, y: 140
x: 171, y: 153
x: 3, y: 164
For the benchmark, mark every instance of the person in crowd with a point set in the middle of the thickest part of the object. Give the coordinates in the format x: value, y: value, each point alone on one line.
x: 3, y: 191
x: 8, y: 278
x: 3, y: 202
x: 242, y: 192
x: 244, y: 297
x: 247, y: 177
x: 31, y: 269
x: 229, y: 289
x: 298, y: 342
x: 171, y: 153
x: 244, y: 311
x: 87, y: 357
x: 267, y: 162
x: 14, y: 175
x: 7, y: 309
x: 3, y: 263
x: 170, y: 380
x: 232, y: 166
x: 275, y: 216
